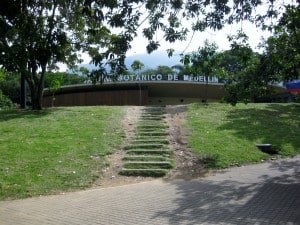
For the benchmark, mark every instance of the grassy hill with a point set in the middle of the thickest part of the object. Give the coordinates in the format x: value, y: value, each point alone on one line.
x: 225, y: 135
x: 55, y: 150
x: 64, y: 149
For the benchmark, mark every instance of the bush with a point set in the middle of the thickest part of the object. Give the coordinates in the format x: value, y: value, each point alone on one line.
x: 297, y: 98
x: 5, y: 102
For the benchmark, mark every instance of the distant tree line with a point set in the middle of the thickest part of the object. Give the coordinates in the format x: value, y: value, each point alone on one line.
x: 10, y: 85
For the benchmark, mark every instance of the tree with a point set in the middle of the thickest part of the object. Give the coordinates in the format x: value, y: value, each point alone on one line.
x: 35, y: 35
x: 203, y: 62
x: 164, y: 70
x: 242, y: 70
x: 4, y: 100
x: 251, y: 76
x: 10, y: 86
x: 137, y: 66
x: 2, y: 74
x: 66, y: 78
x: 282, y: 49
x: 54, y: 81
x: 161, y: 69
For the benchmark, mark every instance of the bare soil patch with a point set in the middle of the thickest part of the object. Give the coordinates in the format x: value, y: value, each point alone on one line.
x: 187, y: 164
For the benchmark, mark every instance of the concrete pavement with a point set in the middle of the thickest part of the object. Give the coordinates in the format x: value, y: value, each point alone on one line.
x: 268, y: 193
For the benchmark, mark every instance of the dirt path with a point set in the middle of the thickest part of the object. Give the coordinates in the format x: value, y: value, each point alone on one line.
x: 187, y: 164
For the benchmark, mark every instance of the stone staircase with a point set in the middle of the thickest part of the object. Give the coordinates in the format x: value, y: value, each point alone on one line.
x: 149, y: 153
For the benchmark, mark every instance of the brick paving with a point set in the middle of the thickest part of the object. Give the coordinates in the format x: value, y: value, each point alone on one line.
x: 268, y: 193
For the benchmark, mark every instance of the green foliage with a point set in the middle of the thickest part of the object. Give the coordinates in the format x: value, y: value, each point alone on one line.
x: 163, y: 70
x: 137, y: 65
x: 36, y: 35
x: 58, y: 79
x: 202, y: 61
x: 249, y: 76
x: 282, y: 50
x: 5, y: 102
x: 242, y: 70
x: 298, y: 98
x: 70, y: 79
x: 54, y: 81
x: 10, y: 85
x: 2, y: 75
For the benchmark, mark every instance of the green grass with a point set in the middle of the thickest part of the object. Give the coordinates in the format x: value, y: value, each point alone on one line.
x: 64, y: 149
x: 224, y: 135
x: 55, y: 150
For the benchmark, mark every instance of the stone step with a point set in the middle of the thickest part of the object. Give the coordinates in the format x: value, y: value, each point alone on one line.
x: 144, y: 158
x: 151, y: 134
x: 150, y: 130
x: 149, y: 152
x: 153, y: 129
x: 156, y: 118
x: 148, y: 165
x: 145, y: 121
x: 152, y: 126
x: 154, y: 108
x: 150, y: 141
x: 152, y: 113
x: 144, y: 172
x: 144, y: 146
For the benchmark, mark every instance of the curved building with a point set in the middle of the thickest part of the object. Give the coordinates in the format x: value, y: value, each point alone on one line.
x: 138, y: 90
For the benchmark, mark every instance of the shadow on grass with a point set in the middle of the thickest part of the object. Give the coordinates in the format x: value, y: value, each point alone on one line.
x: 277, y: 124
x: 270, y: 200
x: 210, y: 161
x: 6, y: 115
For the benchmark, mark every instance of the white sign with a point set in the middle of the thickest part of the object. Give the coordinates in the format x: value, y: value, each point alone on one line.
x: 159, y: 77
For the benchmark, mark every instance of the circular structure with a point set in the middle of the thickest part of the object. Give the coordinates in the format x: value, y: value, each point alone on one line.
x: 139, y: 90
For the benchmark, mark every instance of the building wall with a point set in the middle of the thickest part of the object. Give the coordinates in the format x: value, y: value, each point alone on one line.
x: 89, y: 98
x: 146, y: 93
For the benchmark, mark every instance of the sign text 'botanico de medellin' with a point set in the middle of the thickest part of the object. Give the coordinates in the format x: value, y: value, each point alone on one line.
x: 159, y: 77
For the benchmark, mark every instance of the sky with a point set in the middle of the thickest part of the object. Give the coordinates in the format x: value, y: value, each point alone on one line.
x: 192, y: 44
x: 219, y: 37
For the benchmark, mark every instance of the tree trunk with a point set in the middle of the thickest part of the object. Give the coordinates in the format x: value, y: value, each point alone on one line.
x: 36, y: 90
x: 36, y: 99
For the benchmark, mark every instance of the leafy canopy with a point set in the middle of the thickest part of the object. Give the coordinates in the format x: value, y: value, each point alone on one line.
x: 36, y: 35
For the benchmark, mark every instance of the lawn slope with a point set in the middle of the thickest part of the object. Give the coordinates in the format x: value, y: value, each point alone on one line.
x: 55, y: 150
x: 226, y: 135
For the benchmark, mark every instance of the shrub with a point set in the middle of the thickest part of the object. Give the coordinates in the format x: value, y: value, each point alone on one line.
x: 298, y: 98
x: 5, y: 102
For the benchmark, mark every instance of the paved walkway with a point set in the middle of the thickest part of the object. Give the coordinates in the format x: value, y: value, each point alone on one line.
x: 268, y: 193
